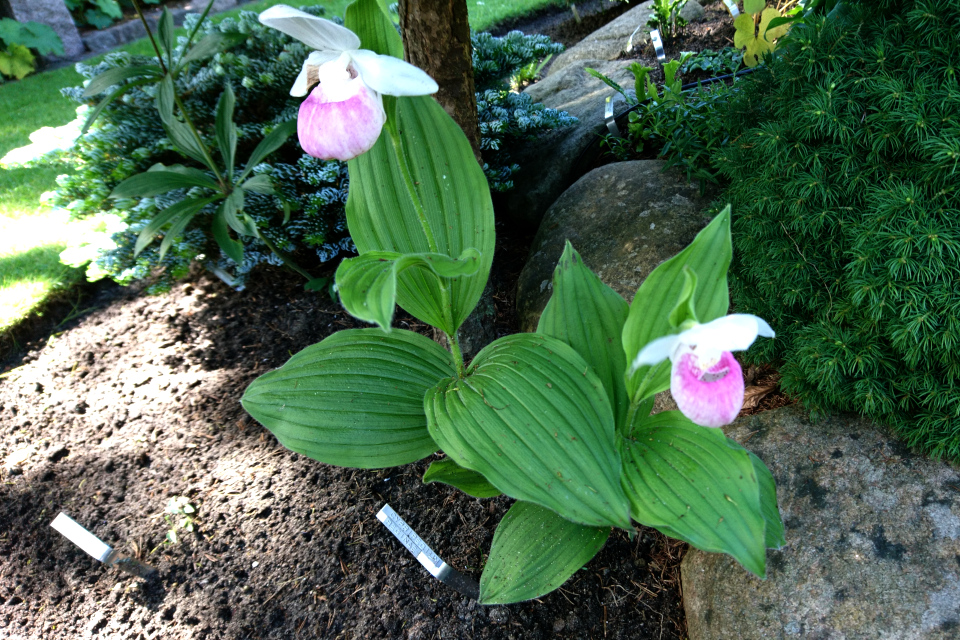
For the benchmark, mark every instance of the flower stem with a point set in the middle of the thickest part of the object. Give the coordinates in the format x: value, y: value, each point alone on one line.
x: 287, y: 261
x: 457, y: 354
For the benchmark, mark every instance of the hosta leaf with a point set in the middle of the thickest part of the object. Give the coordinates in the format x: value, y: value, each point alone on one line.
x: 368, y: 283
x: 470, y: 482
x: 709, y: 257
x: 535, y: 551
x: 589, y: 316
x: 534, y: 419
x: 355, y: 399
x: 689, y: 483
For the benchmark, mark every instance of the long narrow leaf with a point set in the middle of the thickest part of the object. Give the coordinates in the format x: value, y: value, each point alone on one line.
x: 103, y: 104
x: 115, y: 76
x: 167, y: 216
x: 226, y: 130
x: 153, y: 183
x: 270, y: 143
x: 221, y: 233
x: 470, y: 482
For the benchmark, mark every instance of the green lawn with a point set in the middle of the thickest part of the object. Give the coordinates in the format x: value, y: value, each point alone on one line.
x: 32, y: 236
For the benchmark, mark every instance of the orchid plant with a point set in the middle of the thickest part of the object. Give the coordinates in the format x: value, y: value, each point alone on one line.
x: 560, y: 419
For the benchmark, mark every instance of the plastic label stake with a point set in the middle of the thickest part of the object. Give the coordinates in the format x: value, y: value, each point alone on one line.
x: 658, y: 45
x: 732, y: 8
x: 96, y: 548
x: 426, y: 556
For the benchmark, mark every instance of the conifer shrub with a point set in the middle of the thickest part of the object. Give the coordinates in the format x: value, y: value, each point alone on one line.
x: 306, y: 218
x: 843, y: 165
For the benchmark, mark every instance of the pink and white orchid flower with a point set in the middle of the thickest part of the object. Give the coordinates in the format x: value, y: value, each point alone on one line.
x: 343, y: 115
x: 706, y: 380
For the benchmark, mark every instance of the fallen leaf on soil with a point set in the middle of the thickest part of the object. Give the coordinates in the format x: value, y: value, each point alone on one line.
x: 753, y: 394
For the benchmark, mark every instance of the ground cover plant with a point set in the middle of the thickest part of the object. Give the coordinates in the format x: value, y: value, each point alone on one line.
x: 559, y: 419
x: 843, y: 181
x: 299, y: 210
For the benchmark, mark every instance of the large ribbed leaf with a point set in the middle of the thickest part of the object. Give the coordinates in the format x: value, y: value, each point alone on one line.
x: 534, y: 551
x: 368, y: 283
x: 470, y: 482
x: 774, y: 534
x: 588, y: 315
x: 534, y: 419
x: 709, y: 257
x: 686, y: 481
x: 355, y: 399
x: 448, y: 184
x: 456, y: 202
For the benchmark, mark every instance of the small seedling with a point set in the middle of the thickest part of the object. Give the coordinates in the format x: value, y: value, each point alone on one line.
x: 180, y: 515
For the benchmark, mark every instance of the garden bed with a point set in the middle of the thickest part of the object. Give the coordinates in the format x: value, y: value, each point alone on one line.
x: 136, y: 403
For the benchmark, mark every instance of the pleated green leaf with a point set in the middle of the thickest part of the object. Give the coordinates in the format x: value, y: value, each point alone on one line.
x: 534, y: 419
x: 774, y: 534
x: 535, y: 551
x: 686, y: 481
x: 709, y: 257
x: 456, y: 202
x: 370, y: 20
x: 470, y: 482
x: 368, y: 283
x: 589, y: 316
x: 355, y: 399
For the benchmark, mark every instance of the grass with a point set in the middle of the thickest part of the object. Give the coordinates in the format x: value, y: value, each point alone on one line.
x: 32, y: 236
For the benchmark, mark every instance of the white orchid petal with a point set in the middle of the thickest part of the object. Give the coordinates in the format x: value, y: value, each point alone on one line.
x: 735, y: 332
x: 316, y: 59
x: 392, y: 76
x: 655, y: 351
x: 314, y: 32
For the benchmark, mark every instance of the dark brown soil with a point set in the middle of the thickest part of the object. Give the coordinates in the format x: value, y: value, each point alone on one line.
x: 137, y: 402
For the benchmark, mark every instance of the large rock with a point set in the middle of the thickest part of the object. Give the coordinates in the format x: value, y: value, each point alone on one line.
x: 618, y: 36
x: 873, y: 541
x: 52, y: 13
x: 624, y: 219
x: 550, y: 163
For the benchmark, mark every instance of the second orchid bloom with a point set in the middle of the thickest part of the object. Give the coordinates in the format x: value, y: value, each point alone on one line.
x: 343, y: 114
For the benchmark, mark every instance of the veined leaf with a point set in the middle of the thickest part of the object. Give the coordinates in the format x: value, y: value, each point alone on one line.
x: 221, y: 233
x: 226, y: 130
x: 470, y: 482
x: 209, y: 45
x: 455, y: 197
x: 166, y: 32
x: 153, y: 183
x: 773, y: 533
x: 448, y: 183
x: 709, y: 257
x: 172, y: 215
x: 368, y: 283
x: 589, y: 316
x: 686, y: 481
x: 115, y: 76
x: 535, y: 551
x: 355, y: 399
x: 270, y: 143
x: 533, y: 418
x: 259, y: 183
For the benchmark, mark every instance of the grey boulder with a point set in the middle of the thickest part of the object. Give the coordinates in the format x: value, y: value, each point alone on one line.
x: 624, y: 219
x: 873, y: 541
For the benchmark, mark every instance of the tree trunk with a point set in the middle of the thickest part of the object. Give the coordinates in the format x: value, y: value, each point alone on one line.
x: 436, y: 38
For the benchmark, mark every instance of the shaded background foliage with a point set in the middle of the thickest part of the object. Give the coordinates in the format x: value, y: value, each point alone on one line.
x: 129, y: 138
x: 843, y: 178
